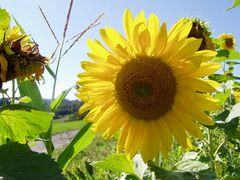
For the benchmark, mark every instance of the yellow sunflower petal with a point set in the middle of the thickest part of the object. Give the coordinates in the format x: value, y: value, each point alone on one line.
x: 207, y: 69
x: 128, y: 24
x: 115, y: 42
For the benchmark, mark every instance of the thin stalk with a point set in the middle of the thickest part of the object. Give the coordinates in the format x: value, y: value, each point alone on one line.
x: 57, y: 68
x: 13, y: 91
x: 49, y: 26
x: 220, y: 145
x: 50, y: 147
x: 61, y: 48
x: 3, y: 100
x: 210, y: 149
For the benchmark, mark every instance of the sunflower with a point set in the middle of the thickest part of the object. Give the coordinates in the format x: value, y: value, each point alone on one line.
x: 228, y: 41
x: 236, y: 95
x: 200, y: 30
x: 147, y: 85
x: 19, y: 57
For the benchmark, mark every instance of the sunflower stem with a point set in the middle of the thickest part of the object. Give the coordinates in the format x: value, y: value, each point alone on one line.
x: 13, y: 91
x: 3, y: 100
x: 209, y: 133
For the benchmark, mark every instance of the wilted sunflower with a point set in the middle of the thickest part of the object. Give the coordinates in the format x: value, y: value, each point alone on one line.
x: 201, y: 31
x: 228, y: 41
x: 147, y: 85
x: 19, y: 57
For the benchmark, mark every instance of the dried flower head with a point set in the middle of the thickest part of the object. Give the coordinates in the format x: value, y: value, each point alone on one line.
x: 20, y: 57
x: 200, y: 30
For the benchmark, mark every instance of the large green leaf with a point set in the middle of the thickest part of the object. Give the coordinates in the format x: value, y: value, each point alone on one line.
x: 178, y: 174
x: 191, y: 165
x: 79, y: 142
x: 117, y: 163
x: 30, y: 89
x: 19, y: 123
x: 56, y: 103
x: 4, y: 23
x: 17, y: 161
x: 235, y: 112
x: 235, y: 4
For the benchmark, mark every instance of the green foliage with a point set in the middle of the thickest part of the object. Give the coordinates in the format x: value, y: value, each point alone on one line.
x: 116, y: 163
x: 222, y: 96
x: 235, y: 112
x: 191, y: 165
x: 17, y: 161
x: 25, y: 100
x: 19, y: 123
x: 4, y: 23
x: 235, y: 4
x: 221, y: 78
x: 30, y: 89
x: 98, y: 150
x: 199, y: 171
x: 50, y: 71
x: 224, y: 55
x: 56, y: 103
x: 79, y: 142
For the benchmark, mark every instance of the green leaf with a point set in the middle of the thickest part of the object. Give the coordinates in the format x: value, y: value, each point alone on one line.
x: 25, y: 100
x: 232, y: 63
x: 181, y: 174
x: 56, y: 103
x: 231, y: 129
x: 221, y: 78
x: 4, y: 23
x: 235, y: 112
x: 117, y: 163
x: 221, y: 117
x: 50, y: 71
x: 83, y: 138
x: 130, y: 177
x: 191, y: 165
x: 222, y: 96
x: 17, y: 161
x: 30, y: 89
x: 4, y: 91
x: 227, y: 55
x: 235, y: 4
x: 19, y: 25
x: 19, y: 123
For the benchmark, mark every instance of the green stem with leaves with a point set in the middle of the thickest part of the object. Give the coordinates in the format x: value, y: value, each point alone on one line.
x: 50, y: 148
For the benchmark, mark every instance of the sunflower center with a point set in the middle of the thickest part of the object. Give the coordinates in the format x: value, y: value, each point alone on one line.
x: 229, y: 42
x: 145, y: 88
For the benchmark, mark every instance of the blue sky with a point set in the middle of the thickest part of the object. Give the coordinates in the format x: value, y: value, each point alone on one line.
x: 84, y: 12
